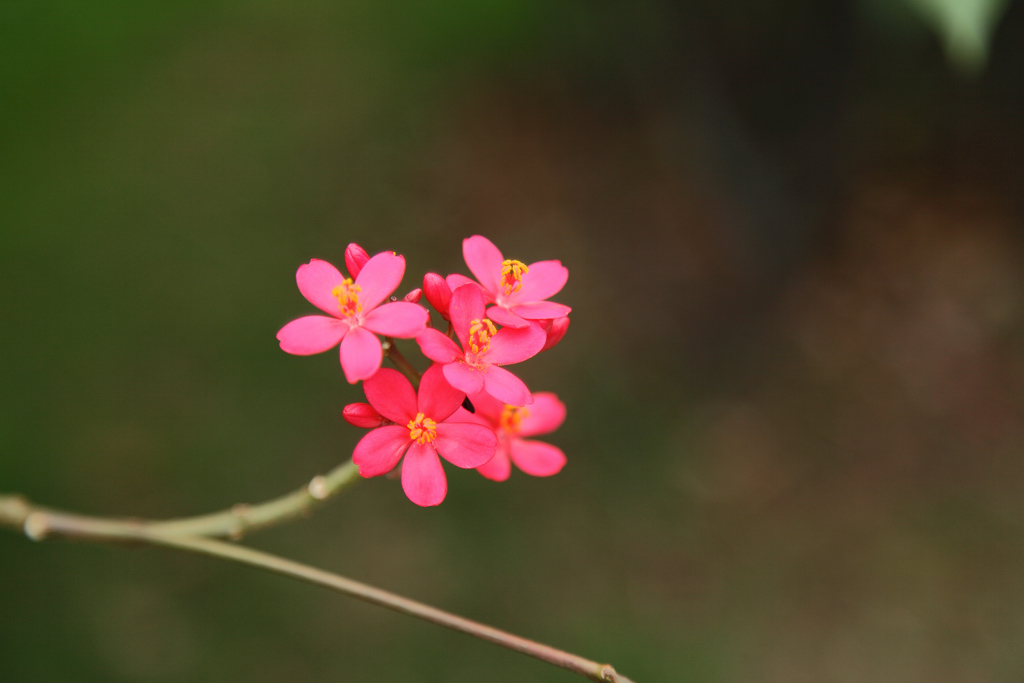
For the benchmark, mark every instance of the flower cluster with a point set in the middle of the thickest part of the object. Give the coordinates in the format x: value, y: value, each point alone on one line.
x: 467, y: 409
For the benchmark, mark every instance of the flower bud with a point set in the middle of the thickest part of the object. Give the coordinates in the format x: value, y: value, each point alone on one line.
x: 362, y: 415
x: 355, y: 258
x: 555, y: 329
x: 438, y: 293
x: 414, y: 296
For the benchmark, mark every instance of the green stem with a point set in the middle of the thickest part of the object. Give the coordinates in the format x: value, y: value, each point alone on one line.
x: 39, y: 524
x: 240, y: 519
x: 234, y: 522
x: 399, y: 361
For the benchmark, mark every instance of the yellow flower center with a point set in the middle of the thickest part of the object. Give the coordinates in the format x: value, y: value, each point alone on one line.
x: 347, y: 295
x: 511, y: 417
x: 422, y: 429
x: 480, y: 333
x: 512, y: 272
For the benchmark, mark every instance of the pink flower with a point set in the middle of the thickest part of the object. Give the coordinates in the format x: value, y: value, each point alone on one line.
x: 438, y: 293
x: 362, y: 415
x: 422, y: 429
x: 355, y: 258
x: 486, y: 348
x: 555, y: 330
x: 517, y: 290
x: 510, y: 423
x: 355, y: 310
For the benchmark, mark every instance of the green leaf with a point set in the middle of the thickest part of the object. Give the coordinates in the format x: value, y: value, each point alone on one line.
x: 965, y: 26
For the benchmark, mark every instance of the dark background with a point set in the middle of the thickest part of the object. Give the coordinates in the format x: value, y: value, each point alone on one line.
x: 795, y: 373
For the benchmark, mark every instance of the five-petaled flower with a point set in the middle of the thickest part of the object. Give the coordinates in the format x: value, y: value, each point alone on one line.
x: 424, y: 425
x: 355, y: 310
x: 511, y: 424
x: 475, y: 367
x: 518, y: 291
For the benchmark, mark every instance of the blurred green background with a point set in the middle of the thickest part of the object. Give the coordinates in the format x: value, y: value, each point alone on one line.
x: 795, y: 374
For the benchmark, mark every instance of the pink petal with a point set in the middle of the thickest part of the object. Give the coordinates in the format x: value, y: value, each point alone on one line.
x: 545, y: 415
x: 510, y: 345
x: 464, y: 444
x: 316, y: 279
x: 504, y: 386
x: 399, y: 319
x: 497, y: 468
x: 463, y: 415
x: 413, y: 296
x: 380, y: 450
x: 438, y: 347
x: 355, y: 258
x: 391, y: 395
x: 311, y: 334
x: 484, y: 261
x: 378, y: 278
x: 541, y: 310
x: 542, y: 281
x: 456, y: 280
x: 536, y: 457
x: 464, y: 377
x: 487, y: 406
x: 437, y: 398
x: 438, y: 293
x: 467, y: 305
x: 555, y: 329
x: 423, y: 478
x: 360, y: 355
x: 503, y: 316
x: 362, y: 415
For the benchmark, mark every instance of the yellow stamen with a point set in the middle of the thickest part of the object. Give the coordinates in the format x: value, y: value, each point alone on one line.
x: 512, y: 272
x: 422, y: 429
x: 347, y: 295
x: 480, y: 333
x: 511, y: 417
